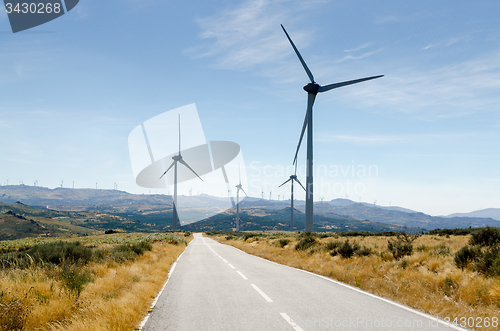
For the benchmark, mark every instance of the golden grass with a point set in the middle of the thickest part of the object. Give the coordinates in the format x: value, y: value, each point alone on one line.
x: 429, y: 281
x: 117, y: 299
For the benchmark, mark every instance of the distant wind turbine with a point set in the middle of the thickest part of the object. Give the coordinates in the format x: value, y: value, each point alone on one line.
x: 238, y: 188
x: 291, y: 179
x: 312, y: 90
x: 177, y: 158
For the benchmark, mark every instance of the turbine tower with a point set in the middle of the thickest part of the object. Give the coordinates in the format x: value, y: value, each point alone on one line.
x: 312, y: 90
x: 238, y: 188
x: 177, y: 158
x: 293, y: 178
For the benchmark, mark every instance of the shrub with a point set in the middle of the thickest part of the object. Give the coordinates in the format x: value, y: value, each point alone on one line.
x: 229, y: 237
x: 487, y: 236
x: 466, y: 255
x: 281, y: 243
x: 55, y: 253
x: 75, y: 280
x: 399, y: 248
x: 346, y: 250
x: 331, y: 245
x: 486, y: 260
x: 365, y: 251
x: 305, y: 243
x: 404, y: 263
x: 448, y: 286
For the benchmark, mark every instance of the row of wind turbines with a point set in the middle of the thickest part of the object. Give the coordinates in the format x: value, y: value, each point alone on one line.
x: 312, y: 90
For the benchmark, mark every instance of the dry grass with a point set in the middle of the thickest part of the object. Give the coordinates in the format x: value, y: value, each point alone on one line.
x: 117, y: 298
x: 427, y: 280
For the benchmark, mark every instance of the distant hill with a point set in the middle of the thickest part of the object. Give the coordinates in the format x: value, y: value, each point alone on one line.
x: 278, y: 220
x: 392, y: 216
x: 42, y: 196
x: 493, y: 213
x: 154, y: 212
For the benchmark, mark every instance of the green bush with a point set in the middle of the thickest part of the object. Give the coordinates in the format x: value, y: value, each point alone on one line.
x: 487, y: 236
x: 305, y: 243
x: 466, y: 255
x: 448, y: 286
x: 399, y: 248
x: 365, y: 251
x: 486, y: 260
x: 281, y: 243
x: 55, y: 253
x: 346, y: 250
x: 331, y: 245
x: 75, y: 280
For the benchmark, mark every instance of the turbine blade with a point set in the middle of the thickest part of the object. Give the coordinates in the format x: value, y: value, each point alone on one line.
x: 310, y: 102
x: 329, y: 87
x: 187, y: 165
x: 285, y: 182
x: 243, y: 191
x: 300, y: 57
x: 167, y: 169
x: 298, y: 181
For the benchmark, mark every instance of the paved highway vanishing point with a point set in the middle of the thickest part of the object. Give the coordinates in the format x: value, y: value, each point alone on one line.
x: 218, y: 287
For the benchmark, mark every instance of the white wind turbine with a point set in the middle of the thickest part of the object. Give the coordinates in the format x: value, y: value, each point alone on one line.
x: 293, y: 178
x: 312, y: 90
x: 238, y: 188
x: 177, y: 158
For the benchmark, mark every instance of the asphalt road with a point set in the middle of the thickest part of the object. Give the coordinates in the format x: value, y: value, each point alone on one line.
x: 218, y: 287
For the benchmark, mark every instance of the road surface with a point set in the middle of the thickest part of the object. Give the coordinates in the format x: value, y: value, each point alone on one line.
x: 218, y: 287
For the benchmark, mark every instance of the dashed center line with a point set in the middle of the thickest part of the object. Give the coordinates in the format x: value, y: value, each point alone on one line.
x: 242, y: 275
x: 231, y: 266
x: 268, y: 299
x: 294, y: 325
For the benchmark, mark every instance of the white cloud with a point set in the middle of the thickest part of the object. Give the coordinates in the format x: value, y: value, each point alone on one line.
x: 249, y: 35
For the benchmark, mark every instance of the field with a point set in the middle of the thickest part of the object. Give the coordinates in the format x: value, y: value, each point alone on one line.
x: 424, y: 276
x: 104, y: 282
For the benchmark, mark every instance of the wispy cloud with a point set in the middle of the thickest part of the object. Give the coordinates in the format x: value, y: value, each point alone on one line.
x: 362, y: 46
x: 452, y: 41
x: 248, y: 36
x: 358, y: 57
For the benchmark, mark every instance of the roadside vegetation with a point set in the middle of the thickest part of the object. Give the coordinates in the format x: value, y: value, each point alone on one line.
x: 104, y: 282
x: 453, y: 274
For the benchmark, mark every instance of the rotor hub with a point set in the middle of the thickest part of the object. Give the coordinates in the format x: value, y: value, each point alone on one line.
x: 312, y: 88
x: 177, y: 158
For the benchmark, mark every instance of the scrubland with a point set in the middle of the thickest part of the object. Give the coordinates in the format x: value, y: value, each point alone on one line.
x: 102, y: 282
x: 428, y: 272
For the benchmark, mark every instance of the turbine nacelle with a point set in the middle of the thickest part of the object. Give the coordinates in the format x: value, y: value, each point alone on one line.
x: 312, y: 88
x: 177, y: 157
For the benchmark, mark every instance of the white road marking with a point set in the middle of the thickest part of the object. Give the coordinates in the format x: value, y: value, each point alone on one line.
x: 294, y: 325
x: 413, y: 310
x: 242, y: 275
x: 268, y: 299
x: 231, y: 266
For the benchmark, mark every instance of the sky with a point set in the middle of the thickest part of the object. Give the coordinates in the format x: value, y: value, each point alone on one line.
x: 426, y: 136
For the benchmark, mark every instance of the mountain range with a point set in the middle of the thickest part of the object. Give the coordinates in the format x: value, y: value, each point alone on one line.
x: 143, y: 212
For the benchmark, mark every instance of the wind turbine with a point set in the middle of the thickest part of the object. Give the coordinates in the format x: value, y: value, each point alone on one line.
x: 312, y: 90
x: 238, y: 188
x: 293, y: 178
x: 177, y: 158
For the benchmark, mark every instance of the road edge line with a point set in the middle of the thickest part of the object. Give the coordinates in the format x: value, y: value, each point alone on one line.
x: 155, y: 300
x: 397, y: 304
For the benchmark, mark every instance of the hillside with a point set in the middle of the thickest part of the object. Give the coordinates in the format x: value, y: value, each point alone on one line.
x: 493, y: 213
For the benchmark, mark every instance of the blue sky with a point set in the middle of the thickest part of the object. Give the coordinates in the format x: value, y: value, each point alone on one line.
x: 425, y: 136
